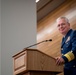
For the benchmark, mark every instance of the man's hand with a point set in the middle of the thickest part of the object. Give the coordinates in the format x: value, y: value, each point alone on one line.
x: 59, y: 61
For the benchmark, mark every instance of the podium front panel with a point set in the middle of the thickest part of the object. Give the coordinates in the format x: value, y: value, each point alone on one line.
x: 34, y: 60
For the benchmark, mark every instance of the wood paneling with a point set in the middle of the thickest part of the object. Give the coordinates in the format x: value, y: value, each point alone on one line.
x: 47, y: 29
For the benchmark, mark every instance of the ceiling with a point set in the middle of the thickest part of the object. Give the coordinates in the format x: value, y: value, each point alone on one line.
x: 44, y: 7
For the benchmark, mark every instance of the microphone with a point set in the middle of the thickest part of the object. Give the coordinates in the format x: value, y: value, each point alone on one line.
x: 38, y: 43
x: 48, y: 40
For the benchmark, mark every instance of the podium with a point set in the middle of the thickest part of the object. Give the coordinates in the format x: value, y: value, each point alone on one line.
x: 35, y: 62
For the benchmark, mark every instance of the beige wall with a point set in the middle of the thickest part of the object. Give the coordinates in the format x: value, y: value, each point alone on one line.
x: 0, y: 37
x: 18, y: 30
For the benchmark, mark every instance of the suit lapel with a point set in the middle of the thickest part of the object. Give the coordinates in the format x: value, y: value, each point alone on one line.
x: 67, y: 38
x: 63, y: 41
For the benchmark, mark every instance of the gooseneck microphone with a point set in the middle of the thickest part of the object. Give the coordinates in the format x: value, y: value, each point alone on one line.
x: 38, y: 43
x: 48, y: 40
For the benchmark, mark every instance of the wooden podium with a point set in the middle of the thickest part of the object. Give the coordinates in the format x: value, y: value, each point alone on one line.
x: 35, y: 62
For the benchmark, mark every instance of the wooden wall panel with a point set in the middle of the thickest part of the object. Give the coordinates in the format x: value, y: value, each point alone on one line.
x: 47, y: 29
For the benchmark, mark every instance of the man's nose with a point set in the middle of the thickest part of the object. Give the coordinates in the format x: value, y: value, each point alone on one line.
x: 61, y: 26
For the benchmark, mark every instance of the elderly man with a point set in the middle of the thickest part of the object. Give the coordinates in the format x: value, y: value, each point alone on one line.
x: 68, y: 46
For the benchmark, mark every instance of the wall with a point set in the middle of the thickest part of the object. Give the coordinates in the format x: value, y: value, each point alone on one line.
x: 0, y: 37
x: 18, y: 30
x: 47, y: 28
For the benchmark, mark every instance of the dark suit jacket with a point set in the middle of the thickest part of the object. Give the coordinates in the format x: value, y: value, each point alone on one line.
x: 68, y: 49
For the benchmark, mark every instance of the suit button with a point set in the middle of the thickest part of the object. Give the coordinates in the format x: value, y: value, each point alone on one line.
x: 74, y: 66
x: 66, y: 43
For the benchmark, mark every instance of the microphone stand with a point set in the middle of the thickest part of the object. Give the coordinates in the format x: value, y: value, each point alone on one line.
x: 38, y: 43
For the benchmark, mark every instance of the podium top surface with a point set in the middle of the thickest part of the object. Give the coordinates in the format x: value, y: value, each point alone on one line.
x: 25, y: 49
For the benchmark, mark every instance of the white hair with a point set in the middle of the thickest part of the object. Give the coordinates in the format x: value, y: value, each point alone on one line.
x: 66, y: 19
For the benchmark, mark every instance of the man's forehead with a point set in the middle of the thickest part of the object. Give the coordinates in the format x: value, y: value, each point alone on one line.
x: 61, y: 21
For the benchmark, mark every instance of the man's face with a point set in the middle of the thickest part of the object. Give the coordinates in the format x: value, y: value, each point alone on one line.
x: 63, y: 26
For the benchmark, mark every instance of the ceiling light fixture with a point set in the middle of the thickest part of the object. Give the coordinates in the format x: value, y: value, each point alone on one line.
x: 37, y: 1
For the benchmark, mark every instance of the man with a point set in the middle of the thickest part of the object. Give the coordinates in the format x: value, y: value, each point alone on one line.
x: 68, y: 46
